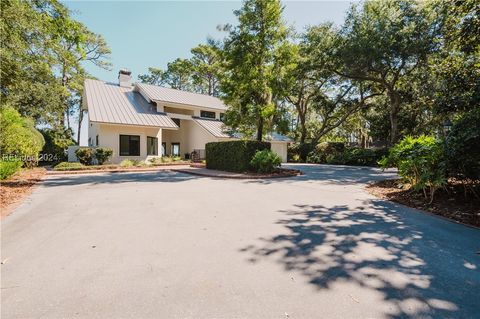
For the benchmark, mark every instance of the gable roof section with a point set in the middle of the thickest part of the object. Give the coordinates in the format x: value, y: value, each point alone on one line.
x: 214, y: 127
x: 110, y: 103
x: 162, y: 94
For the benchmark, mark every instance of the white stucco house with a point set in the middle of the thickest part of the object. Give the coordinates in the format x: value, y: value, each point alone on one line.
x: 141, y: 121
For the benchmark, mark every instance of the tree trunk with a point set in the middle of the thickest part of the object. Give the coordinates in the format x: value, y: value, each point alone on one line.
x: 303, y: 128
x: 260, y: 129
x: 80, y: 119
x: 394, y: 109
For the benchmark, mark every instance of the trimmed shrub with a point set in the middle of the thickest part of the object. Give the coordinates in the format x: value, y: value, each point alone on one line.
x: 8, y: 168
x: 68, y: 166
x: 233, y: 156
x: 127, y: 163
x: 420, y: 162
x: 265, y: 161
x: 85, y: 155
x: 463, y: 147
x: 358, y: 156
x: 103, y: 154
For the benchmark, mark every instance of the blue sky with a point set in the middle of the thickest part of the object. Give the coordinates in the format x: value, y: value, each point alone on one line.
x: 153, y: 33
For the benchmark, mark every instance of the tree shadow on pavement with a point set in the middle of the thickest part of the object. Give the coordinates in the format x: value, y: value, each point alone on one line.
x: 117, y: 178
x: 331, y: 174
x: 377, y: 248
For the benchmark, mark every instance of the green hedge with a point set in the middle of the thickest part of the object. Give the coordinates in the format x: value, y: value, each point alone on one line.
x: 233, y: 156
x: 347, y: 156
x: 8, y: 168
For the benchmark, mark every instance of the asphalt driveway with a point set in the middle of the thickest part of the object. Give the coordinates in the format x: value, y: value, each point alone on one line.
x: 171, y: 245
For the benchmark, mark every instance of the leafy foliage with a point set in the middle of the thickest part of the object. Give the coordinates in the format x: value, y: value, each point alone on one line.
x: 265, y: 161
x: 251, y: 53
x: 8, y: 168
x: 85, y: 155
x: 420, y: 163
x: 68, y: 166
x: 233, y: 156
x: 18, y: 137
x: 103, y: 154
x: 57, y: 143
x: 463, y: 147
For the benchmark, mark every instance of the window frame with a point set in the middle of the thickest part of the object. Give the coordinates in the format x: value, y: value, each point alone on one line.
x: 202, y: 112
x: 171, y: 149
x: 155, y: 145
x: 129, y: 148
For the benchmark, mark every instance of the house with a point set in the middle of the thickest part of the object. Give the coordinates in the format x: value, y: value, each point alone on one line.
x: 141, y: 121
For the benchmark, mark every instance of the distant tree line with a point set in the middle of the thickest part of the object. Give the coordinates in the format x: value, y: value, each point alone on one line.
x: 393, y: 68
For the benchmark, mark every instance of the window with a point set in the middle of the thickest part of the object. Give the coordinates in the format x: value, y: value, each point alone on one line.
x: 175, y: 149
x: 96, y: 140
x: 207, y: 114
x: 176, y: 121
x: 152, y: 145
x: 222, y: 116
x: 129, y: 145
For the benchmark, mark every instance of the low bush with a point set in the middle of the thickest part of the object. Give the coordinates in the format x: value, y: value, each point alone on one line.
x: 358, y: 157
x: 265, y: 161
x: 420, y: 162
x: 8, y: 168
x: 324, y: 151
x: 165, y: 160
x: 85, y: 155
x: 127, y: 163
x: 463, y: 147
x: 233, y: 156
x: 299, y: 152
x: 68, y: 166
x: 103, y: 154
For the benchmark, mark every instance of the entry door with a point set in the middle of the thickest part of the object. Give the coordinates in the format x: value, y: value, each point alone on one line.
x: 175, y: 149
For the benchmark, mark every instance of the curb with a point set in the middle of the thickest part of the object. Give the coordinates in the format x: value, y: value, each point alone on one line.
x: 114, y: 170
x: 227, y: 176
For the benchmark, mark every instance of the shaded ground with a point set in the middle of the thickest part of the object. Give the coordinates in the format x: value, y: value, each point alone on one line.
x: 166, y: 245
x: 454, y: 202
x: 15, y: 188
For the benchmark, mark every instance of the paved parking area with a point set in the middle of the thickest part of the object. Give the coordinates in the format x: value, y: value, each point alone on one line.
x: 171, y: 245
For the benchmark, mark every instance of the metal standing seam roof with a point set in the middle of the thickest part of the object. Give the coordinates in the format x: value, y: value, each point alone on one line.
x: 110, y: 103
x: 214, y: 127
x: 158, y: 93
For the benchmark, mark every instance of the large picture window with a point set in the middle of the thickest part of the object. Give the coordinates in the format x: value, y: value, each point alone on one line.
x: 152, y: 145
x: 129, y: 145
x: 207, y: 114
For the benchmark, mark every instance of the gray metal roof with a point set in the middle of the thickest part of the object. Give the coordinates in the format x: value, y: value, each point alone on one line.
x: 214, y: 127
x: 110, y: 103
x: 162, y: 94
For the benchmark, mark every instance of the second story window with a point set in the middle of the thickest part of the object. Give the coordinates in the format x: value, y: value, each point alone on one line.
x: 222, y: 116
x: 207, y: 114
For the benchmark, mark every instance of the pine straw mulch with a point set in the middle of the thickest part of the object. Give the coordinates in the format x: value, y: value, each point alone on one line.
x: 14, y: 189
x: 453, y: 202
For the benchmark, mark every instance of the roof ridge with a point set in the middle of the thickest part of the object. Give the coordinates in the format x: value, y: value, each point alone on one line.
x: 178, y: 90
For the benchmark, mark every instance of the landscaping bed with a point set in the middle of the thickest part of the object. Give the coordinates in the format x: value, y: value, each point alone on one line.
x: 453, y: 202
x: 278, y: 173
x: 15, y: 188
